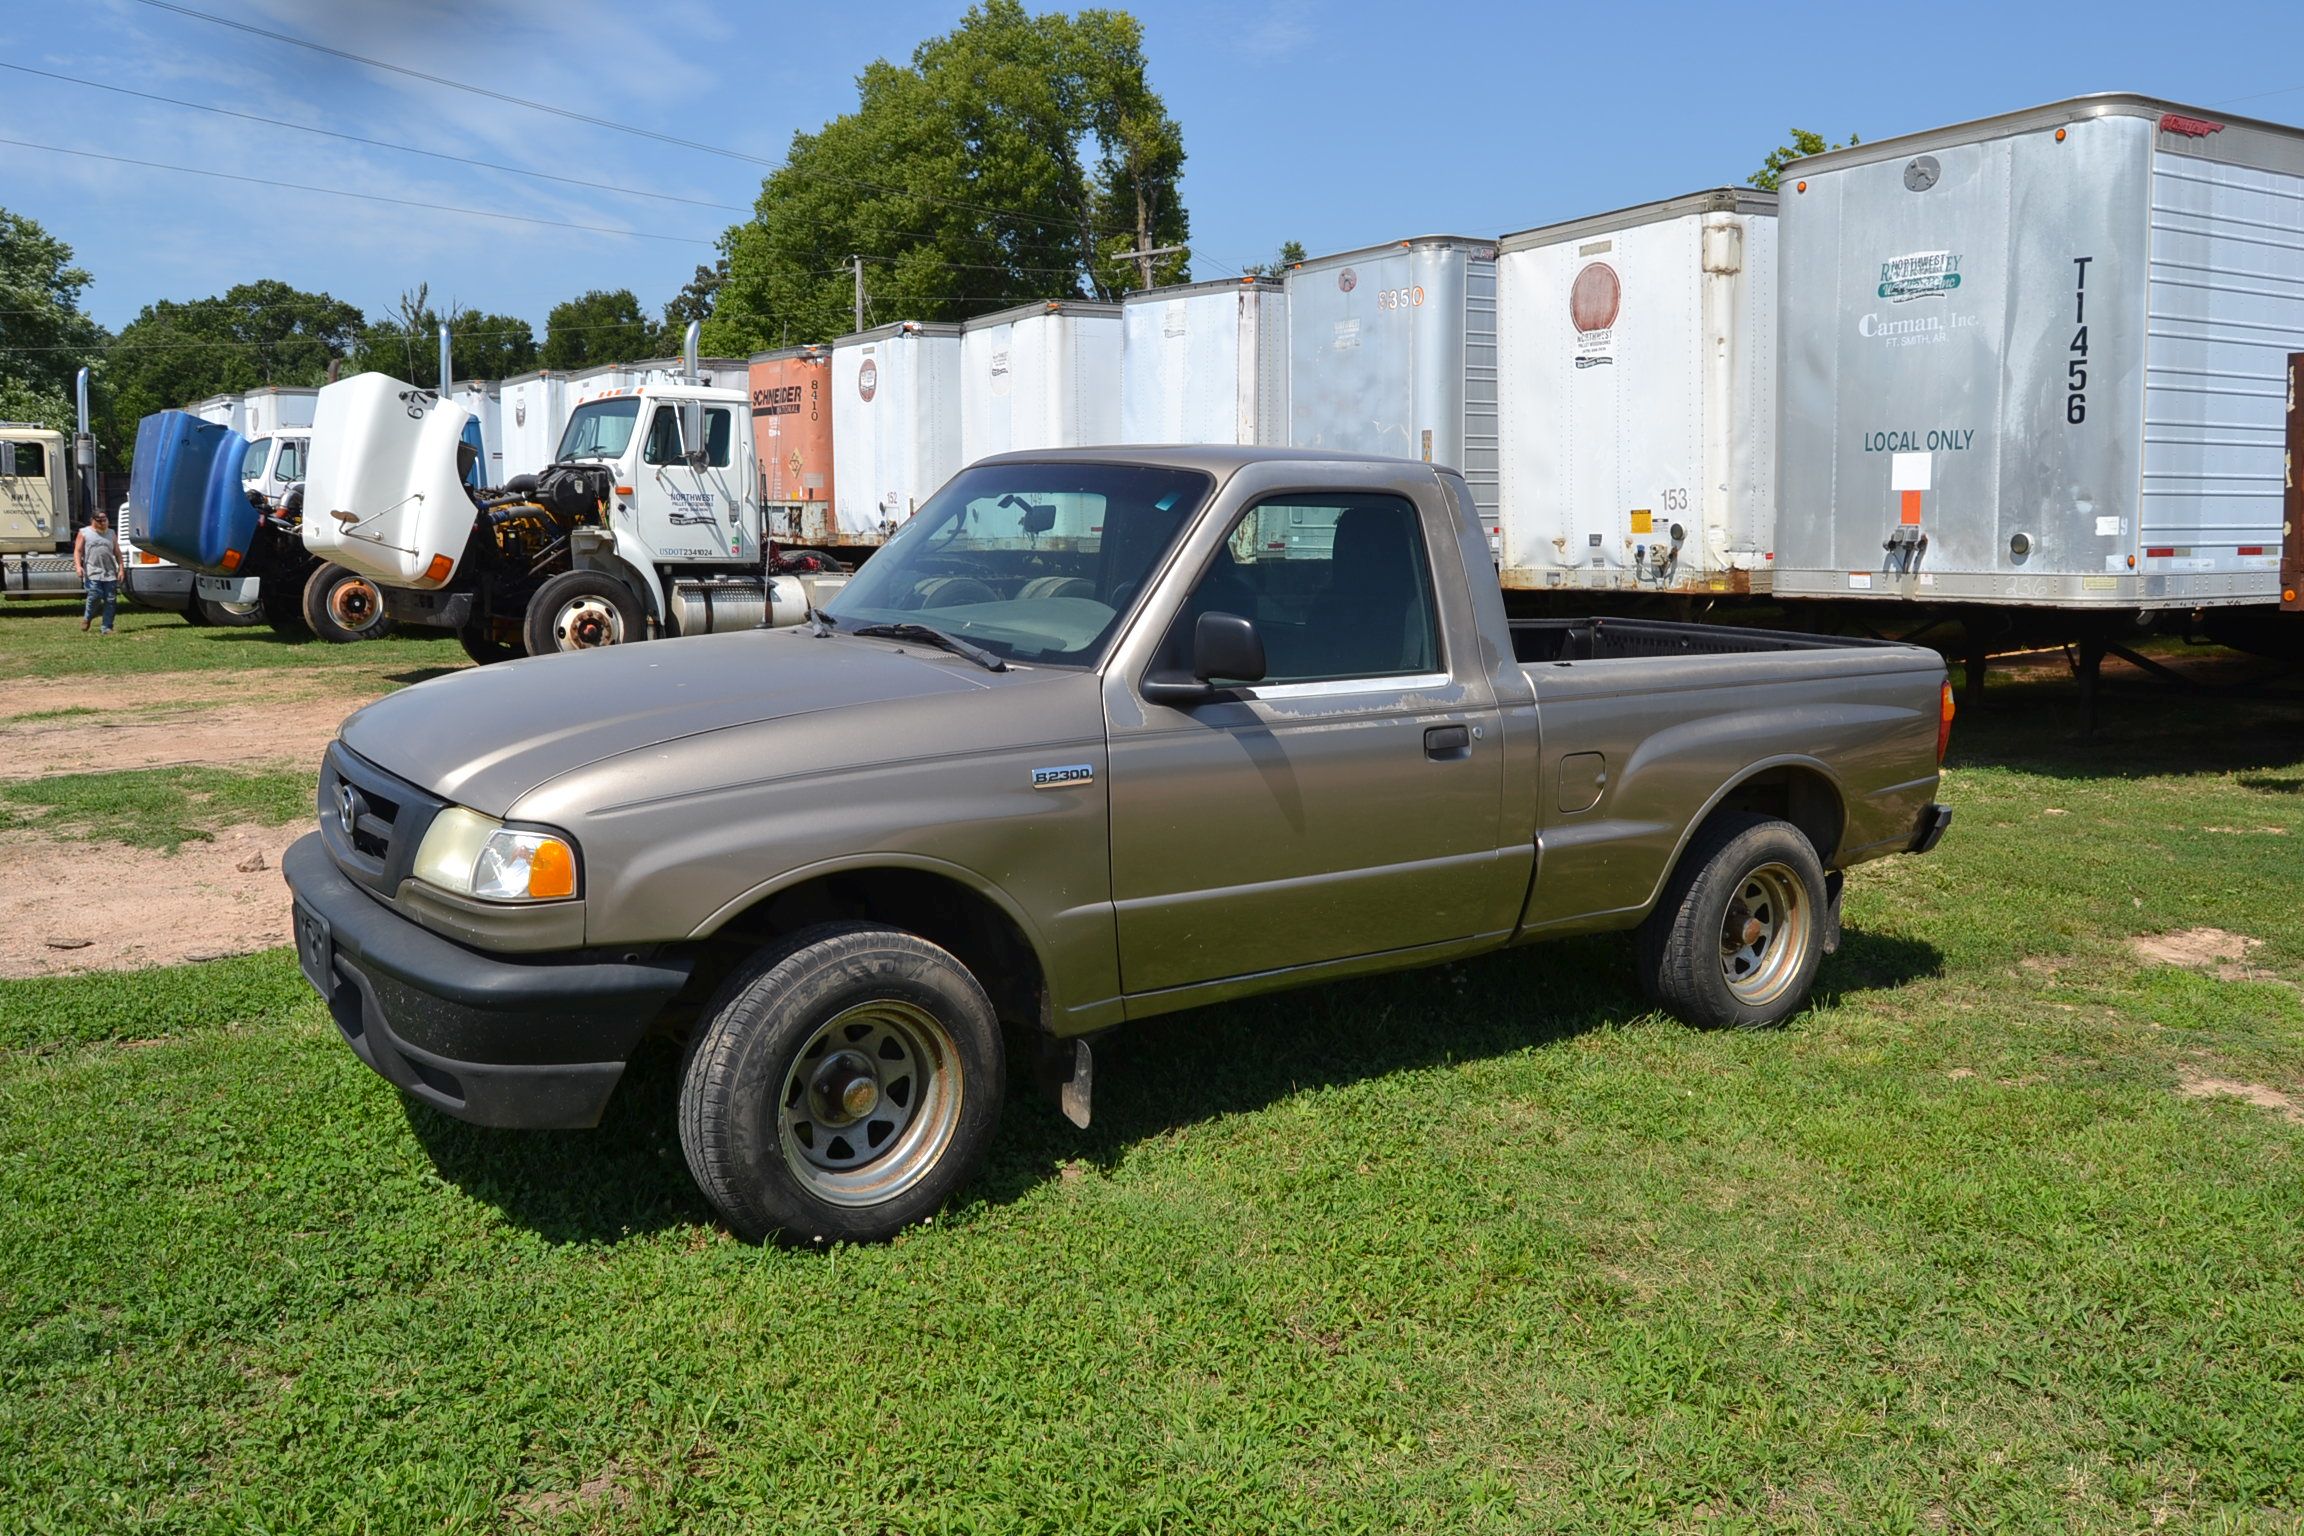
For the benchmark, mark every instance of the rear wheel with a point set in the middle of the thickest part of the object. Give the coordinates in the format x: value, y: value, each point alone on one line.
x: 342, y: 606
x: 224, y: 615
x: 841, y: 1086
x: 1737, y: 936
x: 582, y: 611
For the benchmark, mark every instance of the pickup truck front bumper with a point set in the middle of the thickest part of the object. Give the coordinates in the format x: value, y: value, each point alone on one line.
x: 537, y: 1043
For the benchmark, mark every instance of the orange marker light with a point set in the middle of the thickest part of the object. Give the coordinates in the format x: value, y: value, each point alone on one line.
x: 2059, y: 135
x: 1944, y: 723
x: 1799, y: 186
x: 551, y: 871
x: 231, y: 560
x: 439, y: 568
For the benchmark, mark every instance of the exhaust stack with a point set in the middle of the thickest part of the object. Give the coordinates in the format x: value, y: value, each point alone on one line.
x: 447, y: 374
x: 688, y: 352
x: 84, y: 448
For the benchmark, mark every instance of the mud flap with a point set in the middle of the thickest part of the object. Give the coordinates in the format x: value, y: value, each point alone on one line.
x: 1068, y: 1075
x: 1834, y: 884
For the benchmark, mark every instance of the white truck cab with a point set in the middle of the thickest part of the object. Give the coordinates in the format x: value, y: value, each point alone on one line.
x: 274, y: 464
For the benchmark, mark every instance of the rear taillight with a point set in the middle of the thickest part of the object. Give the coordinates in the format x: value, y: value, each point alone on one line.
x: 1943, y: 722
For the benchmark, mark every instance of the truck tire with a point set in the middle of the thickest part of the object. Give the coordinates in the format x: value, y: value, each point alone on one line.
x: 582, y: 611
x: 480, y: 643
x: 841, y: 1086
x: 224, y: 615
x: 342, y: 606
x: 1735, y: 939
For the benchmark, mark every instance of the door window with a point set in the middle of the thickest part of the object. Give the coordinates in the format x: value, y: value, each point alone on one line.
x: 27, y: 461
x: 664, y: 437
x: 1338, y: 586
x: 291, y: 465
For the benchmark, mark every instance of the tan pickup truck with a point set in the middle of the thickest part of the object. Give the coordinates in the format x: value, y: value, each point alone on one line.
x: 1100, y: 734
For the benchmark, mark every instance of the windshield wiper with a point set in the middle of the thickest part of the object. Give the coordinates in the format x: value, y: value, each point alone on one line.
x: 936, y: 637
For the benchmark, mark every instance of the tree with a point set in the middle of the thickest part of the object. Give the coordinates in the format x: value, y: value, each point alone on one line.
x: 253, y: 334
x: 1803, y: 145
x: 44, y: 338
x: 693, y: 302
x: 406, y: 344
x: 1013, y: 159
x: 603, y: 326
x: 1291, y: 252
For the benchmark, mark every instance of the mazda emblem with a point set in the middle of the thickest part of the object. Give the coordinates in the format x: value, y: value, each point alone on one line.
x: 347, y: 808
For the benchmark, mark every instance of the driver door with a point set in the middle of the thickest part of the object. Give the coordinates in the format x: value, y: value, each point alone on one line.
x: 1346, y: 805
x: 691, y: 513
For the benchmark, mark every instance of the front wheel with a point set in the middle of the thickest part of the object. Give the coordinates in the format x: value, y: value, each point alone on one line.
x: 582, y: 611
x: 343, y: 606
x: 1736, y: 938
x: 224, y: 615
x: 841, y: 1086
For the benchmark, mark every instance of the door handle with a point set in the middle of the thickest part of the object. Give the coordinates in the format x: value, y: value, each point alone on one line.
x: 1448, y: 741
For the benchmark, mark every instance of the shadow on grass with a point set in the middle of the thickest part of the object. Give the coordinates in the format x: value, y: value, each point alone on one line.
x: 629, y: 1175
x: 422, y: 674
x: 2145, y: 726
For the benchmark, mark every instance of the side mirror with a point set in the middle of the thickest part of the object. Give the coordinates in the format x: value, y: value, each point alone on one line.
x: 1224, y: 645
x: 1038, y: 519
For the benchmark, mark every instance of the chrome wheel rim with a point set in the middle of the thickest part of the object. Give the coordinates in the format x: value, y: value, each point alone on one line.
x: 871, y: 1103
x: 587, y: 623
x: 353, y: 603
x: 1764, y: 936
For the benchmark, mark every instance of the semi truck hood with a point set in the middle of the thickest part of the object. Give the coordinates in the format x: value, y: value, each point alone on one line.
x: 486, y: 737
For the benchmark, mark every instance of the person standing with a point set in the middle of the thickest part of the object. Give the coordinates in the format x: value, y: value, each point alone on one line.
x: 97, y: 558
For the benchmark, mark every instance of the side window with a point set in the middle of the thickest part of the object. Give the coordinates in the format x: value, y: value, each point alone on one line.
x: 291, y: 465
x: 663, y: 437
x: 1339, y: 586
x: 26, y: 461
x: 718, y: 433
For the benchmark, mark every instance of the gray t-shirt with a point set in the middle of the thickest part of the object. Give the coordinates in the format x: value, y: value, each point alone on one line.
x: 99, y: 555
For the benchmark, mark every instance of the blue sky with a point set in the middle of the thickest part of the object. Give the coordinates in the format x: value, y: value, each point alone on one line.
x: 1336, y: 123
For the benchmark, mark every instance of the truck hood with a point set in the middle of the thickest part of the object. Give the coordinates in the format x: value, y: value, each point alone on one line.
x: 485, y: 737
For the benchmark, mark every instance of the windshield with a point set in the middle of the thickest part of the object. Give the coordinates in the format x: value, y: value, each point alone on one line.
x: 1033, y: 562
x: 599, y: 429
x: 252, y: 467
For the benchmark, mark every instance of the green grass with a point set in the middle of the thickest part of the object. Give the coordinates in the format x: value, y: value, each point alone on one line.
x: 1487, y: 1248
x: 161, y: 808
x: 69, y: 712
x: 40, y: 639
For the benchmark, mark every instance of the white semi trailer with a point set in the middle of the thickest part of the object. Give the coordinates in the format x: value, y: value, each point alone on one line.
x: 1639, y: 398
x: 1205, y: 363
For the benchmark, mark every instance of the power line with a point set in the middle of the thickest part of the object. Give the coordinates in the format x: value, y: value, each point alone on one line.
x: 372, y: 197
x: 353, y: 138
x: 602, y: 122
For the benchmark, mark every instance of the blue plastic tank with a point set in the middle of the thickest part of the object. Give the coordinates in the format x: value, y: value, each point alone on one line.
x: 185, y: 501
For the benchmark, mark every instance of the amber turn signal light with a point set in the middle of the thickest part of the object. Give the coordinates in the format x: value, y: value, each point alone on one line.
x: 1944, y: 723
x: 551, y: 871
x: 439, y: 568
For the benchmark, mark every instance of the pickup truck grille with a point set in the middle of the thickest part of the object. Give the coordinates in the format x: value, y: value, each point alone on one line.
x: 371, y: 821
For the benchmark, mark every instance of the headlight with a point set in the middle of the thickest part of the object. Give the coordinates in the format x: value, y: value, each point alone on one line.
x: 475, y: 855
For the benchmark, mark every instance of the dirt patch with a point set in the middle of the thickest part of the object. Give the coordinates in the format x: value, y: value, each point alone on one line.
x: 68, y: 907
x: 605, y: 1488
x: 2201, y: 949
x: 2281, y: 1104
x: 170, y: 718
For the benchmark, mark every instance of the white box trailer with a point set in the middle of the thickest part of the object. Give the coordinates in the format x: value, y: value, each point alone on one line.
x: 484, y: 399
x: 1039, y: 376
x: 2039, y: 360
x: 1638, y: 397
x: 895, y: 424
x: 532, y: 410
x: 261, y: 412
x: 1205, y: 363
x: 1392, y: 349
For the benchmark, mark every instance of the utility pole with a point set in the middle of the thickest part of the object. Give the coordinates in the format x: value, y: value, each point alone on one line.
x: 858, y: 263
x: 1143, y: 255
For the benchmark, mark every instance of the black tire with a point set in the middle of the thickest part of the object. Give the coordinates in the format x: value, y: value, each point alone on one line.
x: 342, y: 606
x: 1760, y: 874
x: 280, y: 598
x: 582, y: 611
x: 197, y: 615
x: 480, y: 643
x: 224, y: 615
x: 763, y: 1129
